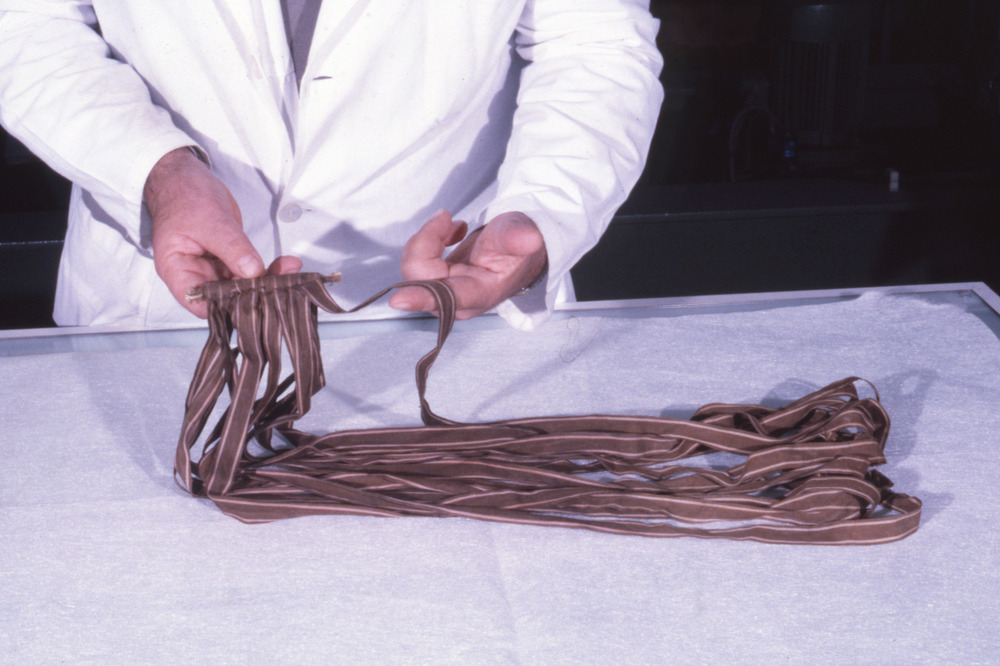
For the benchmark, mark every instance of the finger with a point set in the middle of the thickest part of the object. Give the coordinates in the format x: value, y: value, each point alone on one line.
x: 471, y: 298
x: 413, y: 299
x: 232, y: 247
x: 185, y: 264
x: 285, y: 264
x: 183, y: 274
x: 421, y: 258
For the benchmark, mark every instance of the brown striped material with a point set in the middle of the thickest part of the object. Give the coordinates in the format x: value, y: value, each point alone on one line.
x: 806, y: 472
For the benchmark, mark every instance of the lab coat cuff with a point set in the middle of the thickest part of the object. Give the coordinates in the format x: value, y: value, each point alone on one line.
x: 201, y: 155
x: 524, y: 315
x: 529, y: 311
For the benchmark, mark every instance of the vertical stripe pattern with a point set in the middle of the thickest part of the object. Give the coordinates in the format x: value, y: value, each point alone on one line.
x: 806, y: 471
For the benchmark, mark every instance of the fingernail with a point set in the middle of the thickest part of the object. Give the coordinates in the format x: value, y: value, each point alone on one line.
x: 249, y: 266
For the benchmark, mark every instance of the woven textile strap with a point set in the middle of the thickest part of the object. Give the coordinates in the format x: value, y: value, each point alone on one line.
x: 805, y: 472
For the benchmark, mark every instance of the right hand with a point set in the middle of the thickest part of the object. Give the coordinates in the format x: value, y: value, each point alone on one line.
x: 489, y: 266
x: 197, y: 229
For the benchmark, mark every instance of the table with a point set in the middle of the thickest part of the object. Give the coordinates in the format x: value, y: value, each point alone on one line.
x: 103, y: 559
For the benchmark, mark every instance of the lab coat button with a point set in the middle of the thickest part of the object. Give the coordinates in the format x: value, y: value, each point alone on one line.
x: 290, y: 213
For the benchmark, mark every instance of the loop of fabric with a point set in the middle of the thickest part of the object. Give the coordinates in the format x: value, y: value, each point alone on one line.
x: 807, y: 472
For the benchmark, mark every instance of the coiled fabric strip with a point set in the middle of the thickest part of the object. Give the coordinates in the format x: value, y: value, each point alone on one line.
x: 806, y: 471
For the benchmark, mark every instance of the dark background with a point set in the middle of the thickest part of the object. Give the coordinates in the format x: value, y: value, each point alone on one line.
x: 801, y: 145
x: 720, y: 209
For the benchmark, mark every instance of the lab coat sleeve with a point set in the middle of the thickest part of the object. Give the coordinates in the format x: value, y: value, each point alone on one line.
x: 85, y: 114
x: 587, y: 106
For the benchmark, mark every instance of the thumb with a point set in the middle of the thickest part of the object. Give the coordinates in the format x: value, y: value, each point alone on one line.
x: 232, y: 247
x: 422, y: 258
x: 515, y: 234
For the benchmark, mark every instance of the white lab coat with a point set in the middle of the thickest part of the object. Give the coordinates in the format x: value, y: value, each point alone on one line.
x: 406, y: 107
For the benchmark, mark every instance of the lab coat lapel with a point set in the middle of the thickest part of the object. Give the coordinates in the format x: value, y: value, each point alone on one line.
x: 257, y: 30
x: 336, y: 19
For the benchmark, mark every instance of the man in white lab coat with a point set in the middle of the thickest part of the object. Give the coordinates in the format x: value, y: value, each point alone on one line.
x: 202, y: 144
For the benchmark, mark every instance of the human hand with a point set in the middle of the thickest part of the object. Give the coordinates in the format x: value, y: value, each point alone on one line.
x: 197, y: 229
x: 491, y: 264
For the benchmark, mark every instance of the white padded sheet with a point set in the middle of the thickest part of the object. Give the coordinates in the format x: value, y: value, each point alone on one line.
x: 103, y: 559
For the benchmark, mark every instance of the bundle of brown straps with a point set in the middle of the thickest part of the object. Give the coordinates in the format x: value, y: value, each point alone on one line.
x: 806, y: 473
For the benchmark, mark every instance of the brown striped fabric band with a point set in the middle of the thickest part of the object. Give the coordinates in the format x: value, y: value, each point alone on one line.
x: 805, y: 473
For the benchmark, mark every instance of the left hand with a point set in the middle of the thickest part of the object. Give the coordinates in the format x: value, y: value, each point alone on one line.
x: 488, y: 267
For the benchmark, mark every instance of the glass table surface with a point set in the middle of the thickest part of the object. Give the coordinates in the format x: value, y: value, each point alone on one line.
x: 974, y: 297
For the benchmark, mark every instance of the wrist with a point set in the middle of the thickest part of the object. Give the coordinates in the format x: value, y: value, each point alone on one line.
x: 168, y: 167
x: 539, y: 279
